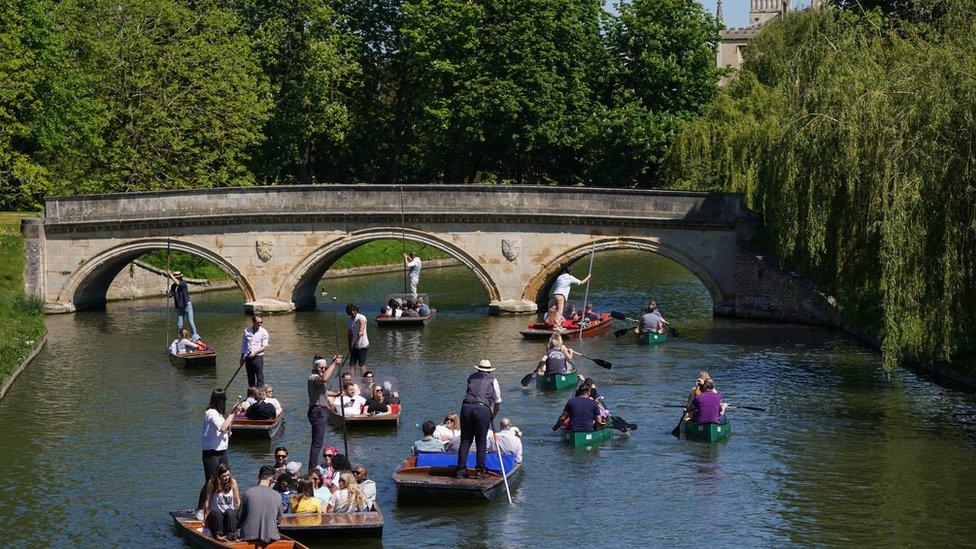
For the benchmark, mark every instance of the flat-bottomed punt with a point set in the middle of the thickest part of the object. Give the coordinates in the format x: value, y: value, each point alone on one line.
x: 651, y: 338
x: 707, y: 432
x: 316, y: 528
x: 556, y: 382
x: 362, y: 421
x: 581, y: 439
x: 544, y: 331
x: 257, y: 428
x: 192, y: 530
x: 431, y: 477
x: 406, y: 321
x: 194, y: 360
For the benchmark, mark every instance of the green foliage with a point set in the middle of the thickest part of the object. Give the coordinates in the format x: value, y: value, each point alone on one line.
x: 190, y: 265
x: 21, y: 317
x: 385, y: 252
x: 856, y: 137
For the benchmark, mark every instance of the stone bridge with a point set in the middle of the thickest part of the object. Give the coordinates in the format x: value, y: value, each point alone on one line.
x: 277, y: 242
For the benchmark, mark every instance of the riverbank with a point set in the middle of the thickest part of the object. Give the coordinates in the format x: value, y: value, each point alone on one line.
x: 20, y: 316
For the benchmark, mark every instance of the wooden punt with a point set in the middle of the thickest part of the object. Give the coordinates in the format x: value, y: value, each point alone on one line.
x: 581, y: 439
x: 651, y: 338
x: 364, y: 421
x: 257, y: 428
x: 707, y: 432
x: 199, y: 360
x: 316, y: 527
x: 192, y: 530
x: 437, y: 483
x: 388, y: 321
x: 556, y: 382
x: 543, y: 331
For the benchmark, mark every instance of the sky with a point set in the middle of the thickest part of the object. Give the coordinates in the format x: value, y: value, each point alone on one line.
x: 736, y: 12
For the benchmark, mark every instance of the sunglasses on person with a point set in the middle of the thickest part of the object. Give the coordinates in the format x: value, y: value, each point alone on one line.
x: 281, y: 456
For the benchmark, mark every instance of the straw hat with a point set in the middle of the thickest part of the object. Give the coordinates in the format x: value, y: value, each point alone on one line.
x: 484, y: 366
x: 177, y: 274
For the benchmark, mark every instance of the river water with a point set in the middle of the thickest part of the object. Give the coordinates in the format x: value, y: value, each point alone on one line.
x: 101, y: 435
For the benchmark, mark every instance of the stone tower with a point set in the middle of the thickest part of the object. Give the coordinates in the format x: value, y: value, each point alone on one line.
x: 761, y: 11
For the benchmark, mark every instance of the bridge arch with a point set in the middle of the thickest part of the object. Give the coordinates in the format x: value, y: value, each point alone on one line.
x: 542, y: 281
x: 299, y: 285
x: 87, y: 286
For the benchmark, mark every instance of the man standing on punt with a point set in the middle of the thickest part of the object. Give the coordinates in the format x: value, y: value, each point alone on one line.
x: 254, y: 343
x: 480, y: 406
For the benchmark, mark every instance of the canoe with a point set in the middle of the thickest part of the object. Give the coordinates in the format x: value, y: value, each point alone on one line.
x: 580, y: 439
x: 201, y: 360
x: 543, y: 331
x: 651, y: 338
x: 257, y: 428
x: 192, y: 530
x: 316, y: 528
x: 379, y: 420
x: 707, y: 432
x: 434, y: 480
x: 388, y: 321
x: 556, y: 382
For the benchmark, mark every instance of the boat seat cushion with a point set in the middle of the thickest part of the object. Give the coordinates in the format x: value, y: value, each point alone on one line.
x: 449, y: 459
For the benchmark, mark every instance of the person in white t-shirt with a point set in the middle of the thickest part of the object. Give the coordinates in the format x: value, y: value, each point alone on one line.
x: 507, y: 439
x: 348, y: 399
x: 413, y: 263
x: 216, y: 435
x: 561, y: 292
x: 356, y: 336
x: 449, y: 429
x: 182, y: 345
x: 269, y: 398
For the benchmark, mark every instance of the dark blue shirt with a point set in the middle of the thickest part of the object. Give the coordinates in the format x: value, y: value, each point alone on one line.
x: 583, y: 412
x: 180, y: 294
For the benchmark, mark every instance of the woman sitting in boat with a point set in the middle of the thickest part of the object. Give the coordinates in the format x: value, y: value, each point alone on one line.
x: 552, y: 317
x: 708, y: 407
x: 341, y: 464
x: 326, y: 468
x: 377, y: 404
x: 349, y: 498
x: 395, y: 310
x: 223, y: 501
x: 410, y: 310
x: 449, y: 429
x: 269, y: 398
x: 252, y: 398
x: 422, y: 308
x: 557, y: 358
x: 319, y: 488
x: 304, y: 500
x: 182, y: 345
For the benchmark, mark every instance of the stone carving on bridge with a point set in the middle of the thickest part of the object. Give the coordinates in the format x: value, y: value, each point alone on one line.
x: 511, y: 248
x: 265, y: 249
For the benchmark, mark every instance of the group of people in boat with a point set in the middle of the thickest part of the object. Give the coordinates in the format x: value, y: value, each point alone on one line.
x: 446, y: 437
x: 651, y: 322
x: 705, y: 402
x: 381, y: 398
x: 405, y: 308
x: 188, y: 342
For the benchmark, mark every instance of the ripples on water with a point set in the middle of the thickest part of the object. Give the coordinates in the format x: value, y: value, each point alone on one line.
x: 101, y: 435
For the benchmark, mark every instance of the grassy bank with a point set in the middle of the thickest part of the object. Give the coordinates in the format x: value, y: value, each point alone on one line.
x: 21, y: 317
x: 377, y: 252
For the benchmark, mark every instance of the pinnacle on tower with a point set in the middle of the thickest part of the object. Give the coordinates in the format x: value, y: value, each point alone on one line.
x: 718, y: 13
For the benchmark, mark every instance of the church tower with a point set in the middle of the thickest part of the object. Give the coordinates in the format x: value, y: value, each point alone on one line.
x: 761, y: 11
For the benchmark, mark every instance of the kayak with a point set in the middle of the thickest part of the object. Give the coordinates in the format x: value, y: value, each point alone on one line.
x: 707, y: 432
x: 651, y: 338
x: 192, y: 529
x: 569, y: 329
x: 579, y: 439
x: 556, y: 382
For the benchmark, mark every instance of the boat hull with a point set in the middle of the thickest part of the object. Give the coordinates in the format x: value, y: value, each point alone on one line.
x: 390, y: 322
x: 317, y: 528
x: 364, y: 422
x: 205, y: 360
x: 556, y: 382
x: 257, y: 428
x: 652, y: 339
x: 436, y: 484
x: 190, y: 528
x: 537, y: 331
x: 707, y: 432
x: 580, y: 439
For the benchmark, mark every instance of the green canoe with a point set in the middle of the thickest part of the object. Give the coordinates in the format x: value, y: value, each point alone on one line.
x: 707, y: 432
x: 650, y: 338
x: 578, y: 439
x: 556, y: 382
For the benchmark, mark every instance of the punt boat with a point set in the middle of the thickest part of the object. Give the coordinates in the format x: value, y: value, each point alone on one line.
x: 317, y: 528
x: 556, y: 382
x: 257, y: 428
x: 194, y: 360
x: 707, y: 432
x: 192, y: 530
x: 580, y: 439
x: 431, y: 477
x: 379, y: 420
x: 392, y: 321
x: 571, y: 330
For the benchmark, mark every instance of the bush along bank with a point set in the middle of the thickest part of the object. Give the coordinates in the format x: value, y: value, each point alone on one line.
x: 21, y: 317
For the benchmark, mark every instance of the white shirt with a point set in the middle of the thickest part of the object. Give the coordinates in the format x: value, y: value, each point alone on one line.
x: 340, y: 502
x: 498, y: 392
x: 563, y: 283
x: 254, y: 340
x: 508, y: 443
x: 213, y: 438
x: 414, y: 267
x: 369, y: 490
x: 274, y: 402
x: 354, y: 409
x: 444, y: 433
x: 363, y: 341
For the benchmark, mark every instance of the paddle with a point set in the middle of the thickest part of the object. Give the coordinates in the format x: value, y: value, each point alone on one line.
x: 599, y: 362
x: 617, y: 423
x: 620, y: 316
x: 754, y: 408
x: 623, y: 331
x: 676, y: 432
x: 501, y: 462
x: 528, y: 379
